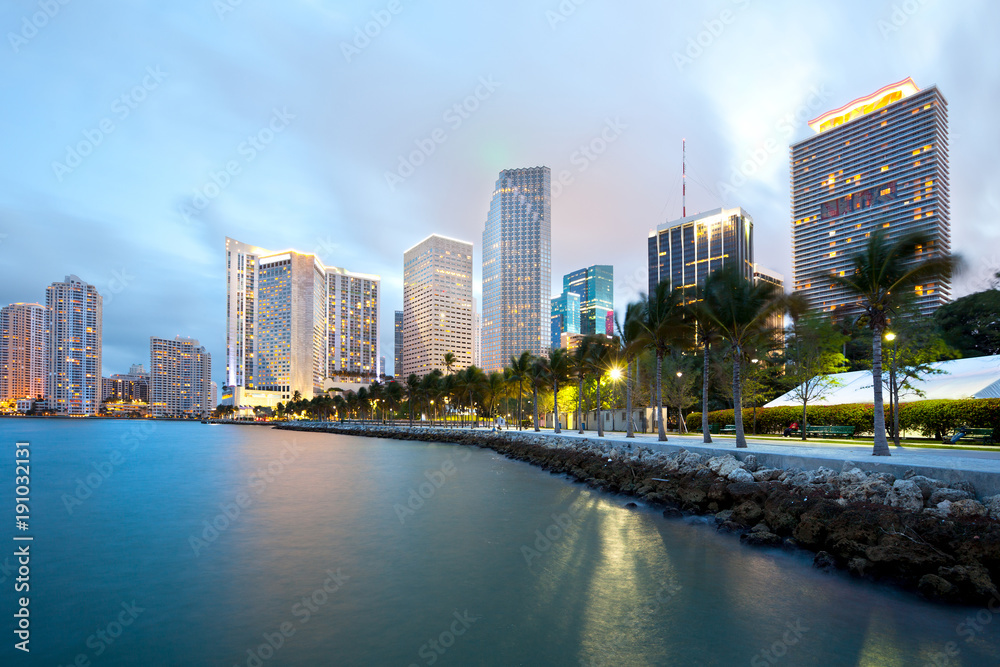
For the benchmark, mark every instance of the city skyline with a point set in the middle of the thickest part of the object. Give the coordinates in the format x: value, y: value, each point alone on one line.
x: 318, y: 184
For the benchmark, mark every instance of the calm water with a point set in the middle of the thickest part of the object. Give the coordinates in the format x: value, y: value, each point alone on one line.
x: 336, y: 559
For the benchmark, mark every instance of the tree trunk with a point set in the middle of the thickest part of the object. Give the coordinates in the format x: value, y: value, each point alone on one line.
x: 629, y: 431
x: 741, y: 438
x: 600, y: 421
x: 579, y: 402
x: 659, y: 394
x: 706, y: 433
x: 881, y: 447
x: 895, y: 413
x: 534, y: 389
x: 802, y: 426
x: 555, y: 406
x: 520, y: 397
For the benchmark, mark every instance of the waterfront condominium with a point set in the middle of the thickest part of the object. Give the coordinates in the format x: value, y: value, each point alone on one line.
x: 517, y: 267
x: 761, y: 274
x: 397, y: 344
x: 74, y: 347
x: 23, y: 355
x: 437, y: 305
x: 685, y: 251
x: 565, y: 317
x: 595, y: 285
x: 131, y: 387
x: 180, y: 378
x: 295, y: 325
x: 877, y: 164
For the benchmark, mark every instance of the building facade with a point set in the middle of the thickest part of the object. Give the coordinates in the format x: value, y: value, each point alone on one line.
x: 762, y: 274
x: 23, y: 352
x: 595, y: 285
x: 180, y: 378
x: 293, y: 325
x: 75, y: 311
x: 565, y: 317
x: 437, y: 305
x: 397, y: 351
x: 131, y: 387
x: 517, y: 267
x: 877, y: 164
x: 685, y: 251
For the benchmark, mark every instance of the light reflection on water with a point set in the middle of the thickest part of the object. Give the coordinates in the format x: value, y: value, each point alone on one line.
x: 603, y: 585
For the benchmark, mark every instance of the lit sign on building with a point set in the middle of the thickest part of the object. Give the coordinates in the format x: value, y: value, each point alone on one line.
x: 877, y: 196
x: 864, y: 105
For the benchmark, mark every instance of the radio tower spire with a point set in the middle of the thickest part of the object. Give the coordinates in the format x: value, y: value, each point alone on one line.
x: 684, y: 185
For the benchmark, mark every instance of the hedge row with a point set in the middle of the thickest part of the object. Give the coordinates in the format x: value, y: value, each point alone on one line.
x: 931, y: 418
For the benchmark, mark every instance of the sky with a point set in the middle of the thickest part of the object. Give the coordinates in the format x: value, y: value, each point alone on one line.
x: 139, y: 135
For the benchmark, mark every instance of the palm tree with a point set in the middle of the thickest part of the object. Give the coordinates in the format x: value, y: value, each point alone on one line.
x: 473, y: 381
x: 559, y: 366
x: 702, y: 313
x: 884, y: 274
x: 430, y: 389
x: 449, y: 362
x: 580, y: 365
x: 519, y: 367
x: 495, y: 387
x: 661, y: 325
x: 538, y: 376
x: 393, y: 397
x: 740, y: 311
x: 599, y: 358
x: 628, y: 340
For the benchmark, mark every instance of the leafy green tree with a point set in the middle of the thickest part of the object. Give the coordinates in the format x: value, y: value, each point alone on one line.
x: 679, y: 379
x: 559, y: 369
x: 812, y: 355
x: 883, y: 275
x: 971, y: 324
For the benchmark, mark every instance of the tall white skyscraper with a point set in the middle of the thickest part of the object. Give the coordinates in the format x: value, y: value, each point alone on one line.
x: 477, y: 335
x: 293, y: 324
x: 23, y: 355
x: 517, y: 267
x: 180, y: 378
x: 74, y: 347
x: 437, y: 305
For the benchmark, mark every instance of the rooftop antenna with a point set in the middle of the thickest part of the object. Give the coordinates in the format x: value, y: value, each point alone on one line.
x: 684, y: 208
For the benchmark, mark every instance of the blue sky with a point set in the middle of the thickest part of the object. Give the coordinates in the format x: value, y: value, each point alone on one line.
x: 284, y: 125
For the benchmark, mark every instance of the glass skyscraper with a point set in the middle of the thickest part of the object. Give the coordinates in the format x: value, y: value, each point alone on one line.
x: 517, y: 267
x: 565, y: 317
x: 595, y: 286
x: 879, y: 163
x: 685, y: 251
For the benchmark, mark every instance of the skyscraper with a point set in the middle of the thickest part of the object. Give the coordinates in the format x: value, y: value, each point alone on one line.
x: 477, y: 335
x: 879, y: 163
x: 595, y: 286
x: 293, y: 324
x: 685, y: 251
x: 762, y: 274
x: 565, y: 317
x: 397, y: 352
x: 517, y: 267
x: 74, y: 347
x: 23, y: 355
x: 180, y: 378
x: 437, y: 304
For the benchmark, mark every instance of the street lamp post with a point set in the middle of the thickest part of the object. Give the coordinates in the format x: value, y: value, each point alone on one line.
x: 680, y: 416
x: 893, y: 390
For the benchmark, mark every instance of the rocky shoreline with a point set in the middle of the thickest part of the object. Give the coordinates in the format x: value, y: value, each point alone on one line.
x: 915, y: 532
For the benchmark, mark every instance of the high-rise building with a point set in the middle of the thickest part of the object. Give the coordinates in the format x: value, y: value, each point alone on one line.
x: 477, y: 335
x: 762, y: 274
x: 437, y: 305
x: 397, y: 351
x: 180, y: 383
x: 685, y: 251
x: 877, y: 164
x: 131, y: 387
x: 595, y: 285
x: 517, y: 267
x: 74, y: 347
x: 213, y: 396
x: 293, y: 324
x: 565, y: 317
x: 23, y: 354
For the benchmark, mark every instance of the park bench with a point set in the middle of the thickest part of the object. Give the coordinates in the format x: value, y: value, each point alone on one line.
x: 981, y: 435
x: 827, y: 431
x: 729, y: 428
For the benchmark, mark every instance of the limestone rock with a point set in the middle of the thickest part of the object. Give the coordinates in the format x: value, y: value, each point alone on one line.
x: 723, y: 465
x: 967, y: 508
x: 927, y: 485
x: 824, y: 561
x: 947, y: 494
x: 740, y: 475
x: 853, y: 476
x: 905, y: 494
x: 935, y: 588
x: 760, y: 539
x: 992, y: 505
x: 750, y: 463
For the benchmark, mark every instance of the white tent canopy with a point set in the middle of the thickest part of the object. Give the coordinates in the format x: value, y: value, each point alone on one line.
x: 978, y: 377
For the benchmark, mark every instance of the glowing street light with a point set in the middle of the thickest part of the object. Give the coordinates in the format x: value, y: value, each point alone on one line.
x: 615, y: 374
